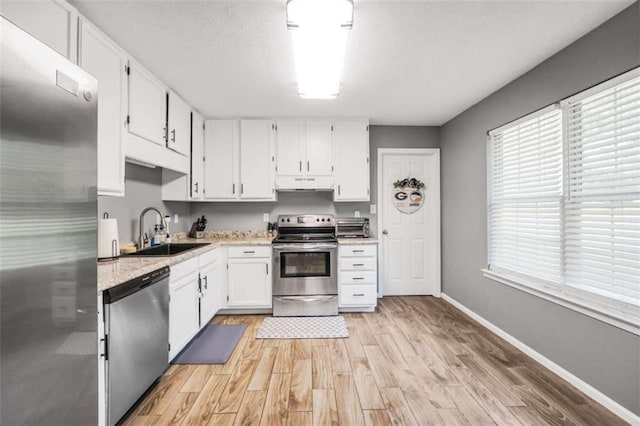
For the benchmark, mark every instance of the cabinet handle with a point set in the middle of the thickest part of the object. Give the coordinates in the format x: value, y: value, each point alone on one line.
x: 358, y: 294
x: 300, y: 165
x: 206, y: 283
x: 242, y: 188
x: 338, y: 189
x: 307, y: 165
x: 233, y: 188
x: 249, y: 252
x: 267, y: 265
x: 165, y: 133
x: 173, y: 135
x: 358, y: 278
x: 196, y: 191
x: 357, y: 251
x: 358, y: 264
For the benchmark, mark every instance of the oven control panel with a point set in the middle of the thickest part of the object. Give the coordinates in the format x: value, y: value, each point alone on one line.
x: 306, y: 221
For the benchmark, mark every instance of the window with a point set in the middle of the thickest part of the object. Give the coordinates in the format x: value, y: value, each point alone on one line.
x: 564, y: 200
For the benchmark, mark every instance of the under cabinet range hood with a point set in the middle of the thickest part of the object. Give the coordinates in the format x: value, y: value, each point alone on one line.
x: 304, y: 183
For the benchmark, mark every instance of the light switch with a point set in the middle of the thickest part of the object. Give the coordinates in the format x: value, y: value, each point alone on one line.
x: 372, y: 209
x: 356, y: 213
x: 175, y: 218
x: 265, y: 217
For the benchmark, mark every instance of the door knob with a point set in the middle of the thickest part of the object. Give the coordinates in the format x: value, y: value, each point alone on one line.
x: 385, y: 232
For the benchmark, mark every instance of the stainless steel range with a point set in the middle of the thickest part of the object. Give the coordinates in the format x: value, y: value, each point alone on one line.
x: 304, y: 265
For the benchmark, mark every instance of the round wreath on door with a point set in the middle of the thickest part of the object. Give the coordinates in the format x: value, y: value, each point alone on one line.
x: 408, y: 195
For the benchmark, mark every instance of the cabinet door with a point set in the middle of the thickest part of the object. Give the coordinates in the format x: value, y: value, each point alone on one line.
x: 179, y: 124
x: 210, y: 292
x: 147, y: 105
x: 290, y: 146
x: 257, y: 160
x: 350, y: 149
x: 319, y: 160
x: 221, y: 160
x: 53, y: 22
x: 183, y: 313
x: 101, y: 58
x: 197, y: 153
x: 249, y: 283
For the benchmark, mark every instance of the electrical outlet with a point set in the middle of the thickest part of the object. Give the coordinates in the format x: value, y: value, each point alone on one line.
x: 175, y: 218
x: 372, y: 209
x: 356, y: 213
x: 265, y: 217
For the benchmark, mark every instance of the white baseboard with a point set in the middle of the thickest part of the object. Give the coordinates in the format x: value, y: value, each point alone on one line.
x: 578, y: 383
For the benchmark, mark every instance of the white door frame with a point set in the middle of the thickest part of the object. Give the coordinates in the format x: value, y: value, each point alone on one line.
x: 405, y: 151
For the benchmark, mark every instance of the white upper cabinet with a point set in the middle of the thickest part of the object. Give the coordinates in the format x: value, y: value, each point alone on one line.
x: 319, y: 160
x: 197, y: 154
x: 103, y: 59
x: 257, y: 160
x: 290, y: 147
x: 55, y: 23
x: 179, y: 124
x: 350, y: 150
x: 221, y: 157
x: 304, y: 155
x: 147, y: 116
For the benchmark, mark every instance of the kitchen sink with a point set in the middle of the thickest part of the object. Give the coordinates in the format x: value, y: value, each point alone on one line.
x: 170, y: 249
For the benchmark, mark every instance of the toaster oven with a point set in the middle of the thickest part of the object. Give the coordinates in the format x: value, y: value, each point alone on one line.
x: 352, y: 227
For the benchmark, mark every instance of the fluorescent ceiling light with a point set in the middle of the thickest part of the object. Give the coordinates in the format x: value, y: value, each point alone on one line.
x: 319, y: 32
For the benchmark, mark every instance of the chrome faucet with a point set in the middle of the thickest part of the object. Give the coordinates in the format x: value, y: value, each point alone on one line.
x: 141, y: 242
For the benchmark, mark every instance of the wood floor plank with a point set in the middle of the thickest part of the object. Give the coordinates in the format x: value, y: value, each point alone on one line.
x: 203, y: 409
x: 368, y: 392
x: 300, y: 395
x: 322, y: 370
x: 349, y: 409
x: 423, y: 411
x: 165, y: 390
x: 352, y: 344
x: 177, y: 411
x: 234, y: 359
x: 339, y: 357
x: 197, y: 379
x: 325, y: 411
x: 453, y: 417
x: 299, y: 418
x: 221, y: 420
x: 284, y: 358
x: 528, y: 416
x: 391, y: 351
x: 397, y: 406
x: 252, y: 349
x: 302, y: 349
x: 234, y: 390
x: 277, y: 401
x: 262, y: 372
x: 376, y: 418
x: 469, y: 407
x: 501, y: 389
x: 381, y: 368
x: 141, y: 420
x: 250, y: 410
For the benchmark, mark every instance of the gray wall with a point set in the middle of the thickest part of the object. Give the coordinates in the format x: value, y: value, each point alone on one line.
x: 604, y: 356
x: 248, y: 216
x: 143, y: 188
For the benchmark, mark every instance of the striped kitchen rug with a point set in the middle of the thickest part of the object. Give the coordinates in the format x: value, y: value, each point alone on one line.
x: 303, y: 328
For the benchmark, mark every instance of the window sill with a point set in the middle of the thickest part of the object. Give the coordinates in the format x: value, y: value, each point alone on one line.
x: 625, y: 321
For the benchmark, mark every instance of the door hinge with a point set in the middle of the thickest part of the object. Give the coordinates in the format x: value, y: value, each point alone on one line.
x: 227, y: 268
x: 202, y: 126
x: 332, y: 127
x: 367, y: 160
x: 128, y: 119
x: 204, y: 159
x: 106, y: 347
x: 367, y: 128
x: 127, y: 69
x: 169, y: 345
x: 227, y: 298
x: 331, y: 168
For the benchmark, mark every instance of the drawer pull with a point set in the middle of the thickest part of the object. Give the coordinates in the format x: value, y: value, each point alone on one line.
x: 249, y: 252
x: 357, y: 251
x: 358, y: 294
x: 358, y: 278
x: 357, y: 264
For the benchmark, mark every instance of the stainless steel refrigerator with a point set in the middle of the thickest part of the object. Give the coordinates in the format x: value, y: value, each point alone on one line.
x: 48, y: 279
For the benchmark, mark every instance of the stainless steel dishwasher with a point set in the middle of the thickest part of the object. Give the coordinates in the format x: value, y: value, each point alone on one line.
x: 137, y: 339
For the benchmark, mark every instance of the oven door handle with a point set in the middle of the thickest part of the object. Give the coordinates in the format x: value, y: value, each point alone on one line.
x: 304, y: 246
x: 305, y: 299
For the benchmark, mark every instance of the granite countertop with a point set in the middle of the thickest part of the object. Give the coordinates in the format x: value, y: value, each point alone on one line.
x: 113, y: 273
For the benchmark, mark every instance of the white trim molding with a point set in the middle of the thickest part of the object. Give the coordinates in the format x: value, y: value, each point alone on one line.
x: 617, y: 409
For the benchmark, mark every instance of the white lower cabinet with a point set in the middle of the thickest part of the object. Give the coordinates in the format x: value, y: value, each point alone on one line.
x: 249, y: 277
x: 210, y: 283
x: 357, y: 277
x: 183, y: 305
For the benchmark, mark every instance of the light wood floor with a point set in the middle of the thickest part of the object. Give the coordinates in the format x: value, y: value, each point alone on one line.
x: 416, y: 361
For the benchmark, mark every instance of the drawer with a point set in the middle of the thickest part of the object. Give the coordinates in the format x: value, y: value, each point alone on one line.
x: 363, y: 250
x: 248, y: 251
x: 360, y: 295
x: 358, y: 263
x: 208, y: 257
x: 358, y: 277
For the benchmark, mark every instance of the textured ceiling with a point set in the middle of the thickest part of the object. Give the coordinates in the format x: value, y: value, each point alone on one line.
x: 407, y: 62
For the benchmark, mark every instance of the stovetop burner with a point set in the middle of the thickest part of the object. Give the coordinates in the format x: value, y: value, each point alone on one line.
x: 305, y: 229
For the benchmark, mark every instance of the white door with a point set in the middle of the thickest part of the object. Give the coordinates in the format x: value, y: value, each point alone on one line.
x: 249, y: 283
x: 179, y: 124
x: 319, y: 161
x: 257, y: 160
x: 350, y: 150
x: 197, y: 153
x: 290, y: 147
x: 221, y: 160
x: 210, y: 290
x: 147, y: 105
x: 101, y: 58
x: 410, y: 242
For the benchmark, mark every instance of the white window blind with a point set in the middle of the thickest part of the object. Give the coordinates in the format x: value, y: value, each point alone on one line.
x: 602, y: 231
x: 526, y: 190
x: 564, y: 201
